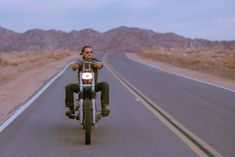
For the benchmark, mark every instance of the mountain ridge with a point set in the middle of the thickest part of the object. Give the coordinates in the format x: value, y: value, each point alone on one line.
x: 120, y: 39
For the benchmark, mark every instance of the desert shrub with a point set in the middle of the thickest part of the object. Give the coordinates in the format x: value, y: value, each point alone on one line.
x: 229, y: 61
x: 206, y: 60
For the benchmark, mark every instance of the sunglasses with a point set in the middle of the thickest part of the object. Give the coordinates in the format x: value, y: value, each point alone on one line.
x: 87, y: 52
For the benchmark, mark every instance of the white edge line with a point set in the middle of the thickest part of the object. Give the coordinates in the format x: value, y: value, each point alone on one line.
x: 18, y: 112
x: 184, y: 76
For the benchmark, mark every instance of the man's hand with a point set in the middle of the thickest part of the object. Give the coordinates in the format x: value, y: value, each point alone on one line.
x: 98, y: 65
x: 74, y: 66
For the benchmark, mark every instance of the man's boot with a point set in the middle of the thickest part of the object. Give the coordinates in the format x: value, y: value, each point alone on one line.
x: 70, y: 113
x: 104, y: 111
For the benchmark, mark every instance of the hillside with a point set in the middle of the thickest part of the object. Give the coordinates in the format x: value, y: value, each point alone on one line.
x: 121, y: 39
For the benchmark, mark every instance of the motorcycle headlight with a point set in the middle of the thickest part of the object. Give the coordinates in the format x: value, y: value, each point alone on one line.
x: 87, y: 76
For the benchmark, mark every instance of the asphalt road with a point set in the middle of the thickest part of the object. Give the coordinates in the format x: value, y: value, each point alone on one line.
x: 131, y: 129
x: 206, y: 110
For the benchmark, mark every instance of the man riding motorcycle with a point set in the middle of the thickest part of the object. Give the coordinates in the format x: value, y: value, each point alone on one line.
x: 74, y: 87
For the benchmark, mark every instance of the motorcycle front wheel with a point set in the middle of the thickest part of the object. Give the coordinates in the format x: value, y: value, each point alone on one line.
x: 87, y: 121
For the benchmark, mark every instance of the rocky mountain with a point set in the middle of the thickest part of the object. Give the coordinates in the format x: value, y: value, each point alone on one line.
x: 121, y: 39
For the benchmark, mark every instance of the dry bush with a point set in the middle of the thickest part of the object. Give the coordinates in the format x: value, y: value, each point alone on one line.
x: 12, y: 64
x: 9, y: 59
x: 58, y: 55
x: 229, y: 61
x: 2, y: 62
x: 15, y: 59
x: 219, y: 62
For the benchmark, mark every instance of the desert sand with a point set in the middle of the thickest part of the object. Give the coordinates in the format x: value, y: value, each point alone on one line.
x: 21, y: 79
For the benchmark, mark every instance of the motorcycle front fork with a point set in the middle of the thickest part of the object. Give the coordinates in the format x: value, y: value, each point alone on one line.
x: 79, y: 108
x: 93, y: 110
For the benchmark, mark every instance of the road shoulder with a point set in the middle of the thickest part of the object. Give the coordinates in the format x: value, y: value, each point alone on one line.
x: 203, y: 77
x: 17, y: 91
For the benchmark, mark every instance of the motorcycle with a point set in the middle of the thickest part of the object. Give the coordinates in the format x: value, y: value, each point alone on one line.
x: 86, y: 108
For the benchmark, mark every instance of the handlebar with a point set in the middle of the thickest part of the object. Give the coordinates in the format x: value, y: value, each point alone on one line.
x: 87, y: 65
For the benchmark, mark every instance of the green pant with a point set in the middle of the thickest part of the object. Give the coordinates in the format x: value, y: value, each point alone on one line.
x: 75, y: 88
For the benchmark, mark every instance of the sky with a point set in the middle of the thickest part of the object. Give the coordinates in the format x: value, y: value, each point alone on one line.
x: 206, y: 19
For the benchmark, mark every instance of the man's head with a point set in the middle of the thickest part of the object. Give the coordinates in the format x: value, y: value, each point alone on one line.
x: 87, y: 52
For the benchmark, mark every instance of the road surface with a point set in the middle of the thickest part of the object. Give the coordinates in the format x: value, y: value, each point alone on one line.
x: 131, y: 129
